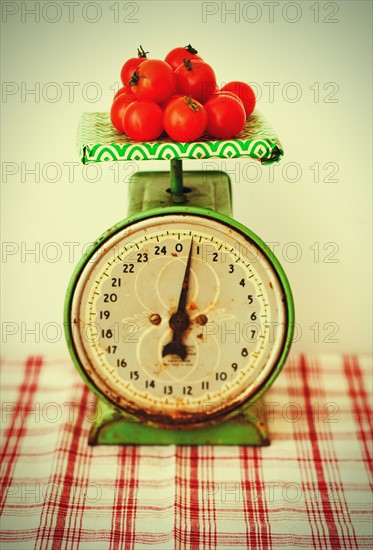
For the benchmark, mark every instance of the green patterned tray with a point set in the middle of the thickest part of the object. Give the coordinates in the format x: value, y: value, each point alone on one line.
x: 98, y: 141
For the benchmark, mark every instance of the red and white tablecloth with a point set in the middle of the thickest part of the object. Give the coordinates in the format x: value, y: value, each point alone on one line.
x: 311, y: 488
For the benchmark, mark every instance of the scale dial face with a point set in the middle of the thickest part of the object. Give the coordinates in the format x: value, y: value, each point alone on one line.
x: 179, y: 319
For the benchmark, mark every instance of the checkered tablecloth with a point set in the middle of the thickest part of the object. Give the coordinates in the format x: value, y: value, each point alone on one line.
x: 311, y: 488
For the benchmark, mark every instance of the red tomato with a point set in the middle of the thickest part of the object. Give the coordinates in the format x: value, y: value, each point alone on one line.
x: 125, y: 90
x: 231, y: 94
x: 118, y: 109
x: 142, y: 121
x: 131, y: 65
x: 153, y: 80
x: 244, y: 92
x: 195, y: 78
x: 226, y: 116
x: 175, y: 57
x: 184, y: 119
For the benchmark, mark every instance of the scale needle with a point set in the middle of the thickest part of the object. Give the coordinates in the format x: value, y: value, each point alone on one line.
x: 180, y: 321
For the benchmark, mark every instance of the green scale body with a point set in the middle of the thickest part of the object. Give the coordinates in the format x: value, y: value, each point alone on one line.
x: 179, y: 318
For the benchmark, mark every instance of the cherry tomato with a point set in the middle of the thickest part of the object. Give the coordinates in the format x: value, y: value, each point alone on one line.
x: 119, y: 107
x: 244, y: 92
x: 125, y: 90
x: 175, y: 57
x: 184, y: 119
x: 142, y: 121
x: 131, y: 65
x: 226, y: 116
x: 195, y: 78
x: 225, y: 94
x: 153, y: 80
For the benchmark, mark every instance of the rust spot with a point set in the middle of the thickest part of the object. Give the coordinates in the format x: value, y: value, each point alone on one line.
x: 200, y: 336
x: 193, y: 306
x: 270, y: 284
x: 174, y: 254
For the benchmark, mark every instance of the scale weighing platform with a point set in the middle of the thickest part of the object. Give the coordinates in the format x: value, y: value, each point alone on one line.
x: 178, y: 318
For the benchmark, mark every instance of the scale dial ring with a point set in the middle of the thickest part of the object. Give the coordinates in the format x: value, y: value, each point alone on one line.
x: 179, y: 316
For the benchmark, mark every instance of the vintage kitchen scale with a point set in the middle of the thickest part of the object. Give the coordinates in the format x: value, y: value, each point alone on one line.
x: 178, y: 317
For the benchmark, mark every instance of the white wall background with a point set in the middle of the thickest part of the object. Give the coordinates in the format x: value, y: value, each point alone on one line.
x: 313, y: 76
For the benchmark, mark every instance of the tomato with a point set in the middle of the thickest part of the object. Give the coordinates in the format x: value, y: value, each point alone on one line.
x: 119, y: 107
x: 175, y: 57
x: 226, y: 116
x: 125, y: 90
x: 231, y: 94
x: 184, y: 119
x: 153, y: 80
x: 244, y: 92
x: 195, y: 78
x: 142, y: 121
x: 131, y: 65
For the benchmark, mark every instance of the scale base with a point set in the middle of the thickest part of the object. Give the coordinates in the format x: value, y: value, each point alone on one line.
x: 114, y: 427
x: 148, y: 190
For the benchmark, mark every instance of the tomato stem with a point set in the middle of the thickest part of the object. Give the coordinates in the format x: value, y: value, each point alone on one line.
x: 141, y: 52
x: 193, y: 105
x: 187, y: 64
x: 134, y: 79
x: 190, y: 49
